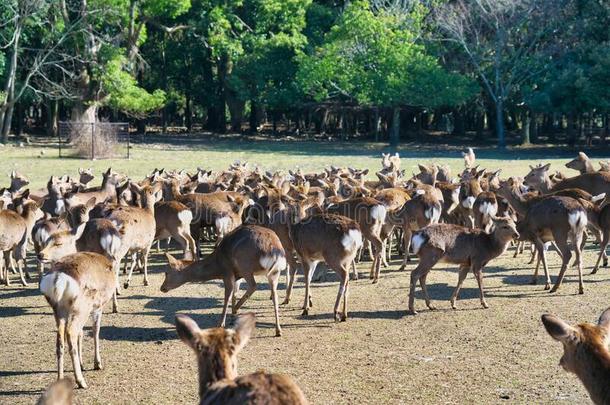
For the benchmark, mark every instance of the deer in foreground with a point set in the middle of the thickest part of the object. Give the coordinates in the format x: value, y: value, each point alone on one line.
x: 585, y: 352
x: 332, y: 238
x: 471, y: 249
x: 58, y: 393
x: 217, y: 351
x: 247, y: 251
x: 78, y: 286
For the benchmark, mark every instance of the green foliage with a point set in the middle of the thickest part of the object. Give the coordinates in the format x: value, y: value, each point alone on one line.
x: 375, y: 59
x: 124, y: 94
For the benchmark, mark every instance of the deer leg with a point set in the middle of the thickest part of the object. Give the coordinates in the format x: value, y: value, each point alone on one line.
x: 384, y: 249
x: 133, y: 265
x: 517, y: 249
x: 308, y: 269
x: 577, y: 239
x: 7, y: 264
x: 406, y: 243
x: 273, y: 277
x: 424, y: 288
x: 249, y: 291
x: 602, y: 251
x: 566, y: 256
x: 478, y: 273
x: 145, y: 263
x: 343, y: 273
x: 291, y: 272
x: 542, y: 257
x: 427, y: 261
x: 59, y: 345
x: 2, y: 278
x: 229, y: 283
x: 73, y: 333
x: 354, y: 271
x: 377, y: 248
x: 533, y: 254
x: 97, y: 324
x: 463, y: 272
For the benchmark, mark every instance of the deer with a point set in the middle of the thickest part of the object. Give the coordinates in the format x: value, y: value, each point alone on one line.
x: 420, y: 211
x: 18, y: 182
x: 370, y: 215
x: 594, y: 183
x: 604, y: 224
x: 216, y: 350
x: 469, y: 158
x: 85, y: 176
x: 581, y: 163
x: 558, y: 219
x: 585, y: 352
x: 485, y: 207
x: 107, y: 191
x: 173, y: 219
x: 14, y: 238
x: 58, y: 393
x: 471, y: 249
x: 138, y: 229
x: 247, y: 251
x: 78, y: 286
x: 334, y: 239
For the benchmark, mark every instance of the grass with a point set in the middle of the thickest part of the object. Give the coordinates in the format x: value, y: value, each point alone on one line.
x: 379, y: 355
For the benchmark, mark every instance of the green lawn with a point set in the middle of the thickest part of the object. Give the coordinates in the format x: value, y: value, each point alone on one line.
x: 270, y: 155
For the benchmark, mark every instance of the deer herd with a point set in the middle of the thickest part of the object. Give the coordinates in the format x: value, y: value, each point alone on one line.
x: 266, y: 223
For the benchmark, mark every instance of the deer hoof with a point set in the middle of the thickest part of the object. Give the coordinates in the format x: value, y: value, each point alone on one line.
x: 554, y: 289
x: 547, y: 286
x: 353, y: 277
x: 278, y: 332
x: 401, y: 268
x: 605, y: 262
x: 81, y: 384
x: 145, y: 282
x: 484, y: 305
x: 431, y: 307
x: 581, y: 290
x: 285, y: 302
x: 125, y: 286
x: 98, y: 366
x: 305, y: 312
x: 453, y: 306
x: 411, y: 312
x: 595, y: 269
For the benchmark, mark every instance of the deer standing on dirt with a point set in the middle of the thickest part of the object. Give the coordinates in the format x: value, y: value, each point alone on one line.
x: 247, y: 251
x: 77, y: 287
x: 331, y: 238
x: 14, y: 236
x: 217, y: 351
x: 594, y: 183
x: 472, y: 249
x: 173, y: 220
x: 585, y: 352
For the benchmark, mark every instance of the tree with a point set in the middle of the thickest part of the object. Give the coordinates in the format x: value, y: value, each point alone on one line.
x: 375, y: 59
x: 503, y: 40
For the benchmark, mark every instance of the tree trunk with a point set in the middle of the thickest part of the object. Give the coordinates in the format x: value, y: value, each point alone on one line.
x: 395, y: 132
x: 8, y: 119
x: 377, y: 124
x: 253, y: 121
x: 534, y: 128
x: 52, y: 115
x: 526, y: 121
x: 500, y: 123
x: 188, y: 111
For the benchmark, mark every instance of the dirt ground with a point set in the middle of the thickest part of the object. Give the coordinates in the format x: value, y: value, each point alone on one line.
x: 380, y: 355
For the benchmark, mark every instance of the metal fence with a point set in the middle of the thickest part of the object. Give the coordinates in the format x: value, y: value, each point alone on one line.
x: 94, y: 140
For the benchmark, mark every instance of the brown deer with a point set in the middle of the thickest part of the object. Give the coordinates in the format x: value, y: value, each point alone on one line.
x: 14, y: 236
x: 370, y: 216
x: 138, y: 228
x: 594, y: 183
x: 334, y: 239
x: 18, y: 181
x: 173, y: 219
x: 107, y: 191
x: 485, y: 208
x: 247, y: 251
x: 471, y: 249
x: 217, y: 351
x: 585, y: 352
x: 77, y: 287
x: 581, y: 163
x: 58, y: 393
x: 558, y: 219
x: 420, y: 211
x: 469, y: 158
x: 604, y: 224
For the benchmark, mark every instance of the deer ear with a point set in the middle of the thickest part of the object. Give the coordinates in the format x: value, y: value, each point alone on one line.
x: 174, y: 263
x: 557, y: 328
x: 546, y: 167
x: 90, y: 203
x: 230, y: 198
x: 604, y: 320
x: 244, y: 326
x: 187, y: 329
x: 583, y: 156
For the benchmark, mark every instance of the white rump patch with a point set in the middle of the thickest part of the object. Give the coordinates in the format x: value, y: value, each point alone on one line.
x: 42, y: 235
x: 223, y: 224
x: 378, y: 212
x: 468, y: 202
x: 417, y: 242
x: 488, y: 208
x: 420, y: 192
x: 270, y: 262
x: 352, y: 240
x: 110, y: 243
x: 60, y: 206
x: 577, y: 219
x: 598, y: 197
x: 58, y: 287
x: 185, y: 216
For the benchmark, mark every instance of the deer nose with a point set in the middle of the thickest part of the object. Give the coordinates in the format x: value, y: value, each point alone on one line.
x: 516, y: 235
